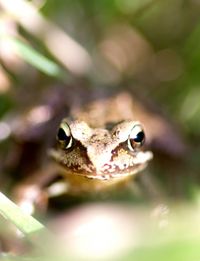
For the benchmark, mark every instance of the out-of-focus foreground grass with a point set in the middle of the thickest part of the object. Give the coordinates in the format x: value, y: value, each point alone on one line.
x: 148, y: 46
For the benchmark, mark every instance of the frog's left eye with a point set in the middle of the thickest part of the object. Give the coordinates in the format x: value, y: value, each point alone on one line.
x: 136, y: 137
x: 64, y: 135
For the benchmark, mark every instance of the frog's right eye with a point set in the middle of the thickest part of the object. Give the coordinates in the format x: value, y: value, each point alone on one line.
x: 64, y: 136
x: 136, y: 137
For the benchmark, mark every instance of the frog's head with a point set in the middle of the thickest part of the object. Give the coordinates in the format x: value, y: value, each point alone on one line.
x: 101, y: 153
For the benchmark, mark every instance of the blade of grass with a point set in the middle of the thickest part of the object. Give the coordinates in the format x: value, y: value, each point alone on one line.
x: 36, y: 59
x: 28, y: 225
x: 63, y: 47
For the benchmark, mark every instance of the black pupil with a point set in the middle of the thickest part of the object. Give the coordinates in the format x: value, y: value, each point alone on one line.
x: 139, y: 137
x: 62, y: 135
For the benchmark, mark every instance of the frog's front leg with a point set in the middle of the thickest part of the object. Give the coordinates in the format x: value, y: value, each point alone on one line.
x: 33, y: 193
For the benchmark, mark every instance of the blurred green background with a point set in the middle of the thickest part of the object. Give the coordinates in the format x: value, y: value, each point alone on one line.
x: 151, y: 47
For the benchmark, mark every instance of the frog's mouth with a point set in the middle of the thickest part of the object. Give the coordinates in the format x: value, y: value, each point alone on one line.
x: 117, y: 167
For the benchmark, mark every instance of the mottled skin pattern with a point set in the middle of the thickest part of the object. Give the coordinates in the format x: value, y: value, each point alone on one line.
x: 99, y: 153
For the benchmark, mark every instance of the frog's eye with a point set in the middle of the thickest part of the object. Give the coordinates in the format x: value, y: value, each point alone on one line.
x: 64, y: 136
x: 136, y: 137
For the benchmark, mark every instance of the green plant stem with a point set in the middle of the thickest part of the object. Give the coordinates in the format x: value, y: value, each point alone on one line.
x: 28, y: 225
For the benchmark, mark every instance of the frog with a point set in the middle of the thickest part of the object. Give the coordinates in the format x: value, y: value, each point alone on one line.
x: 97, y: 150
